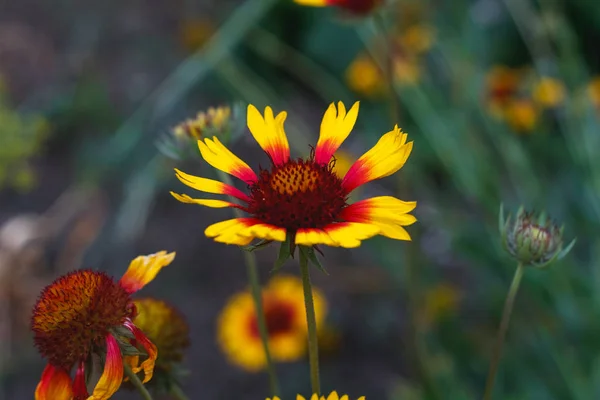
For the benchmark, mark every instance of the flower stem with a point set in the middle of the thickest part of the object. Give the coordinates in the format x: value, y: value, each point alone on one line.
x: 252, y: 271
x: 508, y: 307
x: 387, y: 65
x: 313, y: 344
x: 135, y: 381
x: 178, y: 393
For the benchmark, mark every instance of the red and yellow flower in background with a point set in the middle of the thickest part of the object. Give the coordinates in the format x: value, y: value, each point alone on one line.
x: 522, y: 115
x: 304, y: 198
x: 332, y: 396
x: 283, y: 302
x: 358, y: 7
x: 86, y: 312
x: 549, y: 92
x: 502, y: 86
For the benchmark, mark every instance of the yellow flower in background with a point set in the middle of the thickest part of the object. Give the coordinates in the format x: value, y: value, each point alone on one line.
x: 304, y: 199
x: 407, y: 70
x: 502, y: 85
x: 283, y: 302
x: 522, y: 115
x: 417, y: 38
x: 364, y: 76
x: 549, y: 92
x: 166, y: 327
x: 440, y: 301
x: 593, y: 92
x: 212, y: 121
x: 195, y: 32
x: 332, y: 396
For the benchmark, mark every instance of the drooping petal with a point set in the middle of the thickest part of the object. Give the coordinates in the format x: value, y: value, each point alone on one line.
x: 335, y: 128
x: 386, y: 212
x: 269, y: 133
x: 242, y: 231
x: 341, y: 234
x: 148, y: 364
x: 55, y: 385
x: 210, y: 185
x: 111, y: 378
x: 79, y: 387
x: 313, y: 3
x: 220, y: 157
x: 132, y: 362
x: 386, y: 157
x: 143, y: 269
x: 184, y: 198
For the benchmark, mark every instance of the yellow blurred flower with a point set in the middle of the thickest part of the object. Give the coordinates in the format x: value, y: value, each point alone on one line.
x: 407, y: 70
x: 364, y: 76
x: 522, y: 115
x: 283, y: 302
x: 214, y: 120
x: 440, y: 301
x: 593, y: 91
x: 417, y: 38
x: 502, y: 85
x: 332, y: 396
x: 549, y: 92
x: 195, y: 32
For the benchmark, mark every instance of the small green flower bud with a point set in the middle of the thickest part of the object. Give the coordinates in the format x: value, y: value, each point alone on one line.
x: 532, y: 239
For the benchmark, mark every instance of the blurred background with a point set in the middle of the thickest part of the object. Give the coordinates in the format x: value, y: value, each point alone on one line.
x: 500, y: 97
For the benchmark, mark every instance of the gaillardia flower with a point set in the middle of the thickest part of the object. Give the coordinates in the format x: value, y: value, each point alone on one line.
x: 86, y: 312
x: 332, y: 396
x: 305, y: 198
x: 358, y: 7
x: 532, y: 239
x: 167, y: 328
x: 285, y: 316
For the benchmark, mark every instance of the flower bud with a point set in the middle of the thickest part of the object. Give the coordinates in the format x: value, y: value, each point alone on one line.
x: 532, y: 239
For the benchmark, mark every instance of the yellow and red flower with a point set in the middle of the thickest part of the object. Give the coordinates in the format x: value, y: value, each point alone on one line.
x: 332, y: 396
x: 285, y: 316
x: 86, y: 312
x: 359, y: 7
x: 304, y: 198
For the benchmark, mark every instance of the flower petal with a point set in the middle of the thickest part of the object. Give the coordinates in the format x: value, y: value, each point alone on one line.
x: 242, y: 231
x: 220, y: 157
x: 335, y: 128
x: 148, y: 364
x: 386, y: 157
x: 342, y: 234
x: 210, y: 185
x: 313, y: 236
x: 143, y: 269
x: 269, y: 133
x: 54, y: 385
x: 184, y: 198
x: 79, y: 387
x: 313, y: 3
x: 386, y: 212
x: 111, y: 378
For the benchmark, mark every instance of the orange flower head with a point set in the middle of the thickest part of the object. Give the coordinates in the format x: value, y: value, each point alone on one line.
x: 305, y: 198
x: 502, y: 87
x: 86, y: 312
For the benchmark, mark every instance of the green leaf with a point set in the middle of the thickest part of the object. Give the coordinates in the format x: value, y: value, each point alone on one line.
x: 285, y: 251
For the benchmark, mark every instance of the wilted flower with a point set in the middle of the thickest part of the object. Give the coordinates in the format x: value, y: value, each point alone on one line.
x: 549, y: 92
x: 86, y: 312
x: 304, y: 200
x: 358, y: 7
x: 332, y: 396
x: 167, y: 328
x: 285, y: 317
x: 532, y: 239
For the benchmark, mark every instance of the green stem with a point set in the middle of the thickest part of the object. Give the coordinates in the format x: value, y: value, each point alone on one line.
x: 178, y: 393
x: 313, y: 344
x: 387, y: 65
x: 252, y: 271
x: 508, y: 307
x: 135, y: 381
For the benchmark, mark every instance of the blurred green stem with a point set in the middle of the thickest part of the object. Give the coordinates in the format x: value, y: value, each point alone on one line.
x: 508, y: 307
x: 252, y: 271
x: 313, y: 344
x: 135, y: 381
x: 387, y: 65
x: 178, y: 393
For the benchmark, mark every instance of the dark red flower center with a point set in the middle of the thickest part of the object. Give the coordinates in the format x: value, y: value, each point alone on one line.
x: 75, y: 313
x: 279, y: 317
x: 356, y: 6
x: 298, y: 194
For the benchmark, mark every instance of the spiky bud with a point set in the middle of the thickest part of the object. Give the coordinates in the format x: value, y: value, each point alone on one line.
x: 533, y: 239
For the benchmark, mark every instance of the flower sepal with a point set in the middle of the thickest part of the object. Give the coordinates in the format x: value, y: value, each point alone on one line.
x: 286, y: 250
x: 259, y: 245
x: 309, y: 253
